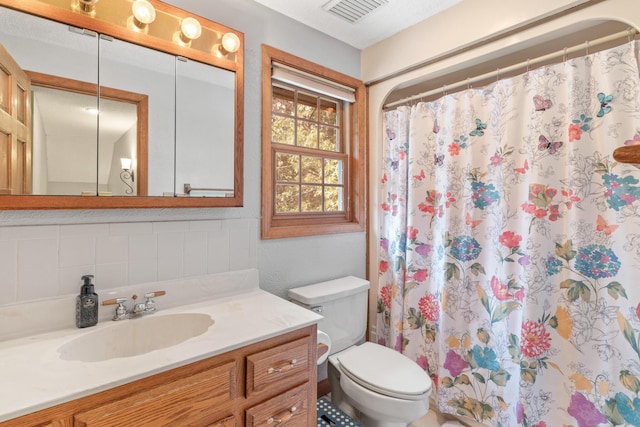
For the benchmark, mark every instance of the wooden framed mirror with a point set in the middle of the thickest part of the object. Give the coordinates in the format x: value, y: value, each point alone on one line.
x: 186, y: 96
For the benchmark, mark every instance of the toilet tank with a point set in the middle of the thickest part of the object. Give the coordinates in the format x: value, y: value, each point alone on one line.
x: 343, y: 304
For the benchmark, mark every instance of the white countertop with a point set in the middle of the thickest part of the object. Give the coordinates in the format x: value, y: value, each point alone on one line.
x: 34, y: 377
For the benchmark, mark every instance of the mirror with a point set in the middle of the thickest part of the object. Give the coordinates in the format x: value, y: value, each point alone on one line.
x: 169, y: 128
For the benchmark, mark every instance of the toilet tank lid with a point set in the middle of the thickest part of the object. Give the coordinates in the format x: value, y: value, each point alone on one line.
x: 329, y: 290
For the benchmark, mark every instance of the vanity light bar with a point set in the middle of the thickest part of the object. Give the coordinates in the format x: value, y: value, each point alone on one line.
x: 156, y: 20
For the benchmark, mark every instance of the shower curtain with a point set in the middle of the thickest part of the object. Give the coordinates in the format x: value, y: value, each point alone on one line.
x: 509, y: 263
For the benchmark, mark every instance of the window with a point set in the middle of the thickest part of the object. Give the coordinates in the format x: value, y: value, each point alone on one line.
x: 312, y: 148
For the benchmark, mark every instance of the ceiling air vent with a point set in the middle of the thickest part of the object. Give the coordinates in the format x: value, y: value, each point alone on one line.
x: 353, y: 10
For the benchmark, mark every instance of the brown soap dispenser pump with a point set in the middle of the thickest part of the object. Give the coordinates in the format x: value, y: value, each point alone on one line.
x: 87, y: 304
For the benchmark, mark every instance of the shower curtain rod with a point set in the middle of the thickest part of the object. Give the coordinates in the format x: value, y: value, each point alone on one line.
x: 630, y: 32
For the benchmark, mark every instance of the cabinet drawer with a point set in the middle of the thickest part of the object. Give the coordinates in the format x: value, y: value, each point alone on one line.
x: 231, y: 421
x: 279, y: 367
x: 186, y: 401
x: 288, y: 409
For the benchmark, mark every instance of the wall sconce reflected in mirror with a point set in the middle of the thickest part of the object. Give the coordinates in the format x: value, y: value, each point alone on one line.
x: 127, y: 175
x: 230, y: 43
x: 143, y: 14
x: 190, y: 29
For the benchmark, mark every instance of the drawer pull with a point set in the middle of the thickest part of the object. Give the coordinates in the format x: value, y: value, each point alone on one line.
x: 284, y: 368
x: 283, y: 417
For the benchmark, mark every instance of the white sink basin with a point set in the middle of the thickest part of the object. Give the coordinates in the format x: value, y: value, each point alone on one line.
x: 134, y: 337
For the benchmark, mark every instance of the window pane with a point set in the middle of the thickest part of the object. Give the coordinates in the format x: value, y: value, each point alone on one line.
x: 307, y: 134
x: 333, y: 171
x: 287, y: 167
x: 282, y: 130
x: 333, y: 199
x: 307, y: 106
x: 328, y: 138
x: 311, y: 198
x: 282, y: 101
x: 311, y: 170
x: 287, y: 198
x: 328, y: 112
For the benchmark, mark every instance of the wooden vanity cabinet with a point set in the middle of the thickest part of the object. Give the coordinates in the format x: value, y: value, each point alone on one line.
x: 272, y: 382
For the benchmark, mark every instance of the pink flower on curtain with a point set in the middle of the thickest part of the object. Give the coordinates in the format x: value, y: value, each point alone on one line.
x: 500, y: 290
x: 535, y: 339
x: 430, y: 307
x: 634, y: 141
x: 412, y: 233
x: 384, y: 265
x: 510, y: 239
x: 454, y: 149
x: 574, y: 132
x: 421, y: 275
x: 385, y: 294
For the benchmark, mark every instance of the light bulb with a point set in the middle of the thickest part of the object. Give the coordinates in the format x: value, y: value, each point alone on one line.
x: 190, y: 29
x: 143, y: 12
x: 230, y: 42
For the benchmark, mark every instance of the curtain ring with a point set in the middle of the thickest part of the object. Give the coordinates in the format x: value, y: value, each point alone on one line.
x: 629, y: 33
x: 586, y: 45
x: 468, y: 83
x: 498, y: 74
x: 564, y: 55
x: 444, y: 90
x: 528, y: 65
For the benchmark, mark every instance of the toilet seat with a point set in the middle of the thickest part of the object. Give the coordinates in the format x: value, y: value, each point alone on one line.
x: 385, y: 371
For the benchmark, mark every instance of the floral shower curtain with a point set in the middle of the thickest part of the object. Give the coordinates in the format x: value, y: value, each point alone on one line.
x: 510, y: 245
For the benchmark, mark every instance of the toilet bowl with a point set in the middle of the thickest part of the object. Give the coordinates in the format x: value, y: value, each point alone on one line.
x: 378, y: 386
x: 374, y: 384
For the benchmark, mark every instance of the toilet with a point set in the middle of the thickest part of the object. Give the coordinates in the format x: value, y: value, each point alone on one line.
x: 374, y: 384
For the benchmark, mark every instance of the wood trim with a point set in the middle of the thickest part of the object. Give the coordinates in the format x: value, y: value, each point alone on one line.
x: 354, y: 218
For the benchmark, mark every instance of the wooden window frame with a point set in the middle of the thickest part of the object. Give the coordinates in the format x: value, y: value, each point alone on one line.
x: 352, y: 219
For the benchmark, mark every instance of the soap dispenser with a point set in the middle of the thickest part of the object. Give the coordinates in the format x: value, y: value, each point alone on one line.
x: 87, y: 304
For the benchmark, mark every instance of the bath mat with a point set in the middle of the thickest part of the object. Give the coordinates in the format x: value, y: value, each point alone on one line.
x: 330, y: 416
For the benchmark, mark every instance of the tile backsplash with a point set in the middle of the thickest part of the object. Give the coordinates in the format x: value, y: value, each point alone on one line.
x: 40, y: 262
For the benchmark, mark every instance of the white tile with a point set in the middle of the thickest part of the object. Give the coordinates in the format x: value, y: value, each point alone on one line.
x: 70, y: 279
x: 208, y: 225
x: 195, y: 254
x: 77, y: 250
x: 29, y: 232
x: 111, y: 275
x: 84, y: 230
x: 142, y: 246
x: 8, y: 267
x: 169, y: 268
x: 160, y: 227
x: 37, y: 269
x: 218, y: 252
x: 170, y: 245
x: 143, y: 271
x: 112, y: 249
x: 125, y: 228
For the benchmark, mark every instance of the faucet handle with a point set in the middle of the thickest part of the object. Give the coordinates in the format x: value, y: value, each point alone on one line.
x: 121, y: 309
x: 150, y: 304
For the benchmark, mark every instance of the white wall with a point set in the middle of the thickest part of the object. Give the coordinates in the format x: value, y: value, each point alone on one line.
x: 282, y: 263
x: 463, y: 24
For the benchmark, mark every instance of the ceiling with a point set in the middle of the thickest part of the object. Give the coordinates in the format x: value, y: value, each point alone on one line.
x: 380, y: 18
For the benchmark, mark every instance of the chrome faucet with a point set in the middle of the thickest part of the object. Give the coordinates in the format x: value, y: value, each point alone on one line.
x: 139, y: 308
